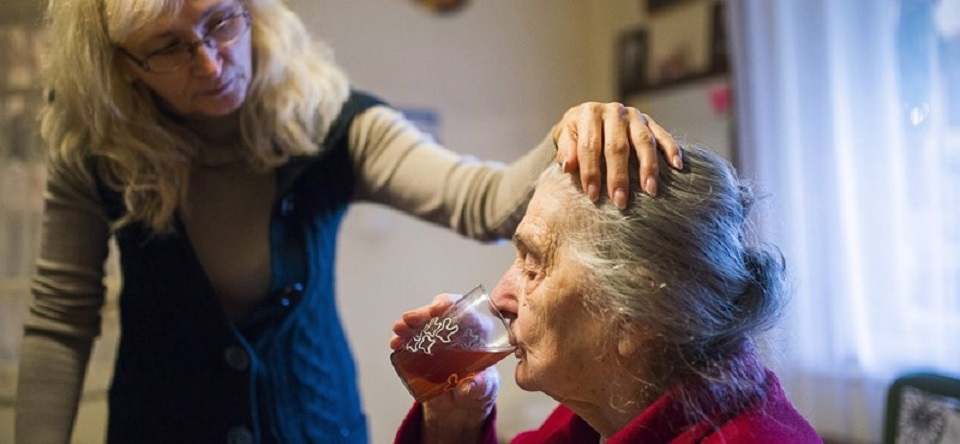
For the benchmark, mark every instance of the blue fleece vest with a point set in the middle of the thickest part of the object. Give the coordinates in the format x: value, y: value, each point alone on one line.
x: 185, y: 374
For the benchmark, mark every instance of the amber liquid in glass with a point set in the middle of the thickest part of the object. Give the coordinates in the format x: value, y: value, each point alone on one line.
x: 427, y: 376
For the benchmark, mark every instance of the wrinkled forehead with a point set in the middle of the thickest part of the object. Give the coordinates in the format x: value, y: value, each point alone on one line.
x: 539, y: 229
x: 124, y: 18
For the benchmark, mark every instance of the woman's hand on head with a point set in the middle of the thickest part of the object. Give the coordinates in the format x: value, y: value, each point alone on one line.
x: 613, y: 131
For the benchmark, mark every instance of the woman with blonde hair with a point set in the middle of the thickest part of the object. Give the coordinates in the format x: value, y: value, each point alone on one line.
x: 220, y: 146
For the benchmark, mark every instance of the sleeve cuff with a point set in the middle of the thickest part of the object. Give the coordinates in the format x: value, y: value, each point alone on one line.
x: 411, y: 429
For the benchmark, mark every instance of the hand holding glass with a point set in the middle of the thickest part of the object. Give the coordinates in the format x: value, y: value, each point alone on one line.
x: 468, y: 337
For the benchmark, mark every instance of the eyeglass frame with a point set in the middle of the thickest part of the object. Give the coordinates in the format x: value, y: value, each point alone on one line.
x: 144, y: 64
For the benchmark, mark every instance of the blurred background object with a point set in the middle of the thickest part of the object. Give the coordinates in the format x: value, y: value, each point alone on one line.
x: 922, y: 408
x: 22, y: 178
x: 442, y: 6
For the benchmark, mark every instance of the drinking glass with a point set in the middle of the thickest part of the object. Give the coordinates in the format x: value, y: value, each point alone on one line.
x: 468, y: 337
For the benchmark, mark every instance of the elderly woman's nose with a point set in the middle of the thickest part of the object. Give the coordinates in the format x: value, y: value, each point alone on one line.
x: 505, y: 294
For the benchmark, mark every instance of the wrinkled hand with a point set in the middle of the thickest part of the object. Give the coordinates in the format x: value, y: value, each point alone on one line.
x: 457, y: 415
x: 612, y: 130
x: 412, y: 321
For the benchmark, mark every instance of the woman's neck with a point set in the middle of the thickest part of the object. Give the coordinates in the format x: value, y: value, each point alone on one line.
x: 612, y: 403
x: 215, y: 132
x: 220, y: 139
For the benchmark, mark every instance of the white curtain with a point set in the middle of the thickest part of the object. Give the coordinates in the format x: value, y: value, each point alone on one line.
x: 849, y: 121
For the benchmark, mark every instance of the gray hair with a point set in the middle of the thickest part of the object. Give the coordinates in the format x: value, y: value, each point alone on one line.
x: 678, y: 268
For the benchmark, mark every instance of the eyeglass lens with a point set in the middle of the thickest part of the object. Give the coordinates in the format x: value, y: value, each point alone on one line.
x: 224, y: 34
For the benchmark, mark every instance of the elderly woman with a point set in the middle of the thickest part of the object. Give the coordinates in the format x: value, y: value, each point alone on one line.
x: 640, y: 322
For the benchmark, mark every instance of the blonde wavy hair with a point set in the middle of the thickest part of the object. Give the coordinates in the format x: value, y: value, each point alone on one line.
x: 97, y: 112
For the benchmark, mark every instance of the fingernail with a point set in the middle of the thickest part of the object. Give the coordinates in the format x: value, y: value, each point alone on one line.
x: 593, y: 192
x: 563, y: 166
x: 620, y: 198
x: 677, y: 162
x: 650, y: 186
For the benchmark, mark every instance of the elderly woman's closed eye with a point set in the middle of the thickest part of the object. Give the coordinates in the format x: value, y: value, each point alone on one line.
x: 639, y: 321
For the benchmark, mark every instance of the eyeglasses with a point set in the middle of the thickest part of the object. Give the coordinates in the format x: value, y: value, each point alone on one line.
x: 225, y: 33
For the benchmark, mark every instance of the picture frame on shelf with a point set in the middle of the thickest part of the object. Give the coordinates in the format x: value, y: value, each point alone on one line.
x: 687, y: 45
x: 632, y: 58
x: 719, y: 46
